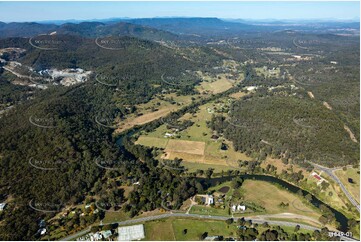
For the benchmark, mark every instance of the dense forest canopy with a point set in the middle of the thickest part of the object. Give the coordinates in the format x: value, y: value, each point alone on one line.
x: 288, y: 127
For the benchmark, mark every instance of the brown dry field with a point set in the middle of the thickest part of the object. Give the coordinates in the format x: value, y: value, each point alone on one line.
x: 200, y: 159
x: 280, y: 166
x: 146, y: 118
x: 221, y: 85
x: 238, y: 95
x: 185, y: 146
x: 171, y: 155
x: 191, y: 151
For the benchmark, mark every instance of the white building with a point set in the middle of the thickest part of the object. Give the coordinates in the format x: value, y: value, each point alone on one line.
x: 128, y: 233
x: 42, y: 231
x: 168, y: 135
x: 2, y: 206
x: 106, y: 234
x: 238, y: 208
x: 209, y: 200
x: 251, y: 88
x: 241, y: 208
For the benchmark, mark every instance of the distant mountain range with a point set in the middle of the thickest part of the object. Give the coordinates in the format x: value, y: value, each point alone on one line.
x: 164, y: 28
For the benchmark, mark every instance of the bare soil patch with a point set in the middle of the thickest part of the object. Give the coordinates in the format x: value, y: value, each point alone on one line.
x: 185, y: 146
x: 146, y: 118
x: 328, y: 106
x: 348, y: 130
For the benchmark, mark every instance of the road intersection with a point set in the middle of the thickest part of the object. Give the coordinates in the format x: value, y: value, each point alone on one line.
x: 330, y: 172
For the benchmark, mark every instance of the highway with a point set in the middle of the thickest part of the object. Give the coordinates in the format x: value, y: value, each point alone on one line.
x: 330, y: 172
x: 197, y: 216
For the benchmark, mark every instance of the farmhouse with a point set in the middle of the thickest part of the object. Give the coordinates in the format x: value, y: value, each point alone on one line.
x: 209, y: 200
x: 42, y: 231
x: 168, y: 135
x: 251, y: 88
x: 238, y: 208
x: 106, y: 234
x: 206, y: 199
x: 317, y: 177
x: 97, y: 236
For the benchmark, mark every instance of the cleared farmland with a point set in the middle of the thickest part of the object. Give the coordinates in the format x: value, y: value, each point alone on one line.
x: 152, y: 141
x: 185, y: 146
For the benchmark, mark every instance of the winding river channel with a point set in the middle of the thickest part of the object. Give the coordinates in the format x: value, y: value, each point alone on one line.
x: 340, y: 217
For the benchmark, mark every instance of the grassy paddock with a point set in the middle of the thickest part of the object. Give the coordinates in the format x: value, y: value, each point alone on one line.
x: 159, y: 230
x: 354, y: 188
x: 270, y: 197
x: 195, y: 228
x: 206, y: 210
x: 152, y: 141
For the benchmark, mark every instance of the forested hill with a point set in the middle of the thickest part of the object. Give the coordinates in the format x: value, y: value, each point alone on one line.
x: 49, y: 144
x: 197, y: 26
x: 53, y: 154
x: 25, y: 29
x: 52, y: 166
x: 127, y: 56
x: 290, y: 128
x: 84, y: 29
x: 94, y: 29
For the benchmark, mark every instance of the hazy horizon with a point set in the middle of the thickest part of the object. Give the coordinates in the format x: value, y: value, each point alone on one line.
x: 256, y: 11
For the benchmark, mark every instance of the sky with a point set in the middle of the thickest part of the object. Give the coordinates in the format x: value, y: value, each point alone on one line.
x: 40, y: 11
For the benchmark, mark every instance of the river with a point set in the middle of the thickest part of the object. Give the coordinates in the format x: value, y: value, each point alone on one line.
x: 340, y: 217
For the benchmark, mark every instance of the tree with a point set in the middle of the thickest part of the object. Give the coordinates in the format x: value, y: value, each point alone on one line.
x: 297, y: 228
x: 107, y: 227
x: 236, y: 182
x: 270, y: 235
x: 324, y: 185
x: 248, y: 223
x: 316, y: 235
x: 94, y: 229
x: 241, y: 221
x: 209, y: 172
x: 5, y: 56
x: 323, y: 219
x: 308, y: 197
x: 229, y: 221
x: 300, y: 193
x: 204, y: 235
